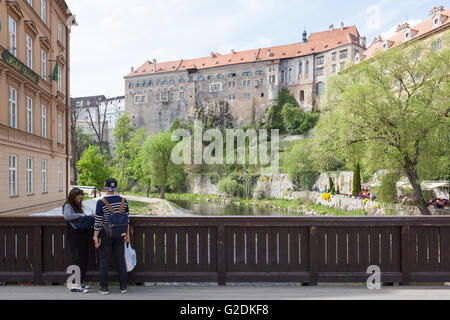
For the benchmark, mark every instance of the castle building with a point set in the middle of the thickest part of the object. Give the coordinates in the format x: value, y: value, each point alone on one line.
x: 248, y: 81
x: 34, y: 99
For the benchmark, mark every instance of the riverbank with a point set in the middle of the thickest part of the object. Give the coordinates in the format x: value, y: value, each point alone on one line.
x: 291, y: 207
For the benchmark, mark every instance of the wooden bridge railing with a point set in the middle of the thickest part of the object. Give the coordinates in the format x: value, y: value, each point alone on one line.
x: 243, y: 249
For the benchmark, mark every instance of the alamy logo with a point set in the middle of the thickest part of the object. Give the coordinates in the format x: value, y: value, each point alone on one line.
x: 75, y: 276
x: 236, y: 142
x: 374, y: 280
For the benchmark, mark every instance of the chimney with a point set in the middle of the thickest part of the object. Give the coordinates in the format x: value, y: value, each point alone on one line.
x: 154, y: 65
x: 305, y: 35
x: 132, y: 69
x: 401, y: 27
x: 436, y: 10
x: 232, y: 51
x: 362, y: 42
x: 377, y: 39
x: 255, y: 56
x: 212, y: 54
x: 331, y: 27
x: 342, y: 25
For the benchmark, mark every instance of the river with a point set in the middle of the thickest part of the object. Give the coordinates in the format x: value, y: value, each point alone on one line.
x: 205, y: 208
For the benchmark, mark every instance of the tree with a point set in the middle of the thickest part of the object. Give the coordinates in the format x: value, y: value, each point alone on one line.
x: 98, y: 122
x: 122, y: 134
x: 93, y: 168
x: 297, y: 121
x: 394, y: 108
x: 157, y: 163
x: 80, y: 142
x: 274, y: 119
x: 356, y: 180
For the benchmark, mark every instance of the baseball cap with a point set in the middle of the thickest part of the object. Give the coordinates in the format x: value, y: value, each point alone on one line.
x: 111, y: 184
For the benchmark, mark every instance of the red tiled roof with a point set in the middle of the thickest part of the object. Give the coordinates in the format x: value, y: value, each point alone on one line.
x: 317, y: 42
x: 418, y: 30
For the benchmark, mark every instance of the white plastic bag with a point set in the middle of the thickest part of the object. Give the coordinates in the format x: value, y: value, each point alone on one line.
x: 130, y: 257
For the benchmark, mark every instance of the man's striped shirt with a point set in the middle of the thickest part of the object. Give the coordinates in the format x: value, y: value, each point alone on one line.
x: 102, y: 212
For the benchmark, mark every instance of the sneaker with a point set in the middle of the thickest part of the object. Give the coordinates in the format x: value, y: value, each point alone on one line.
x: 123, y: 290
x: 79, y: 289
x: 103, y: 291
x: 84, y: 286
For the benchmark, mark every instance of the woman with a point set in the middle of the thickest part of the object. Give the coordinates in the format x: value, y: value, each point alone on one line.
x: 78, y: 239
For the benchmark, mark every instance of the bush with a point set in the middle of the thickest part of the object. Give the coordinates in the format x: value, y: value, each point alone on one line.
x: 230, y: 187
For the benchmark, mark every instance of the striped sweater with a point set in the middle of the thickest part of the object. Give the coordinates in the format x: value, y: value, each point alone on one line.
x: 102, y: 213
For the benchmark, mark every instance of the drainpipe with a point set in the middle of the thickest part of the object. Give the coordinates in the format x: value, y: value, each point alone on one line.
x: 67, y: 113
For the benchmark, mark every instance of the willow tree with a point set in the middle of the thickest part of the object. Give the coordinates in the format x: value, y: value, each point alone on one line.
x: 394, y: 109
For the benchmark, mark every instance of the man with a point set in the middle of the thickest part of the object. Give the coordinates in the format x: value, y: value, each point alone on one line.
x: 107, y: 244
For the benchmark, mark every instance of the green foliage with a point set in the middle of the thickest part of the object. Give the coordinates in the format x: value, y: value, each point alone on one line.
x: 356, y: 180
x: 93, y: 168
x: 156, y: 162
x: 231, y: 187
x: 274, y: 119
x: 297, y: 121
x: 386, y: 191
x: 393, y: 111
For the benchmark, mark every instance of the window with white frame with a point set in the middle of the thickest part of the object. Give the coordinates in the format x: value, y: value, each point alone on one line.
x: 59, y: 79
x: 12, y: 107
x: 29, y: 115
x: 44, y: 10
x: 319, y: 71
x: 43, y: 64
x: 44, y: 121
x: 214, y: 87
x: 12, y: 36
x: 343, y: 54
x: 60, y: 129
x: 29, y: 50
x: 60, y: 177
x: 60, y: 31
x: 320, y: 60
x: 29, y: 174
x: 12, y: 175
x: 44, y: 176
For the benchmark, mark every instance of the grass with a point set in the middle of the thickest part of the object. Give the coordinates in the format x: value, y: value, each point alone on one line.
x: 139, y: 207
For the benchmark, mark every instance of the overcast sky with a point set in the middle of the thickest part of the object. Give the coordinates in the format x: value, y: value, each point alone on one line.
x: 114, y: 35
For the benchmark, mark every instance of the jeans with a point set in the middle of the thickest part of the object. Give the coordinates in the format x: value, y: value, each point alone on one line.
x: 79, y: 241
x: 116, y: 246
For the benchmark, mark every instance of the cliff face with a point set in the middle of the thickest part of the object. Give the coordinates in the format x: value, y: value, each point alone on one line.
x: 214, y: 114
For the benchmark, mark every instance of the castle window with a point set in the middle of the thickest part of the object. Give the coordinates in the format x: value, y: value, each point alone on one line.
x: 343, y: 54
x: 181, y: 80
x: 247, y: 73
x: 333, y: 56
x: 319, y: 71
x: 320, y: 60
x: 320, y: 88
x: 302, y: 95
x: 290, y: 75
x: 231, y: 74
x: 219, y: 76
x: 210, y: 77
x: 282, y: 76
x: 259, y: 72
x: 300, y: 68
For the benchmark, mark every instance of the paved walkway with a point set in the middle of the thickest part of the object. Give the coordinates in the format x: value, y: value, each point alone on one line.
x: 229, y: 293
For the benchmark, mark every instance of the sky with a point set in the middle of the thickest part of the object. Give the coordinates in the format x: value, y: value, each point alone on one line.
x: 115, y: 35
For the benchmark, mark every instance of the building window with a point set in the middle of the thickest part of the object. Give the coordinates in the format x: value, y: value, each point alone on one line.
x: 272, y: 79
x: 282, y: 76
x: 319, y: 71
x: 302, y: 95
x: 290, y: 75
x: 158, y: 97
x: 343, y: 54
x: 320, y: 88
x: 247, y: 95
x: 246, y: 83
x: 300, y: 68
x: 60, y: 79
x: 60, y: 31
x: 44, y: 176
x: 333, y: 56
x: 181, y: 95
x: 259, y: 71
x: 13, y: 175
x: 12, y: 43
x: 172, y: 95
x: 320, y: 60
x: 307, y: 66
x: 44, y: 10
x: 43, y: 64
x: 214, y: 87
x: 12, y: 107
x: 210, y: 77
x: 219, y: 76
x: 29, y: 115
x: 60, y: 129
x: 29, y: 50
x: 29, y: 174
x: 247, y: 73
x: 333, y: 68
x: 231, y: 96
x: 164, y: 96
x: 60, y: 177
x: 44, y: 121
x: 232, y: 84
x: 231, y: 74
x: 438, y: 44
x: 181, y: 80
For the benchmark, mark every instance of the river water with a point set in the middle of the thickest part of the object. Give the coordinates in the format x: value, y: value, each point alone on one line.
x: 205, y: 208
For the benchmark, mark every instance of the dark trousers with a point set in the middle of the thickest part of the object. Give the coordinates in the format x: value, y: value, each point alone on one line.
x: 116, y: 246
x: 79, y: 241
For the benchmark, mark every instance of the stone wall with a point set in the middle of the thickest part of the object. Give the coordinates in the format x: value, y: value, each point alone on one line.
x: 199, y: 184
x: 274, y: 186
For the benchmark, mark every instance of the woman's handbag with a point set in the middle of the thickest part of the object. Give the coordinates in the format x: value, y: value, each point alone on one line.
x: 83, y: 223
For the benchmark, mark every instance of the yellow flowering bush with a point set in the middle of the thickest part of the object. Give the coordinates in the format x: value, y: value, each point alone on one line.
x: 326, y: 196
